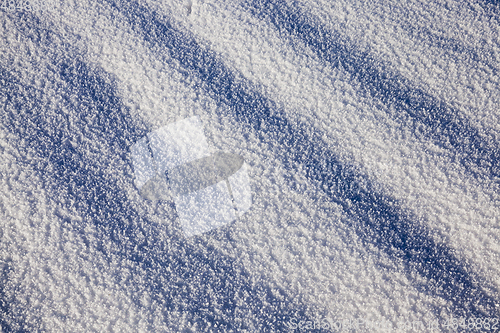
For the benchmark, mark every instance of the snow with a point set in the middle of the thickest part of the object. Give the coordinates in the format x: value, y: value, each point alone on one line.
x: 369, y: 131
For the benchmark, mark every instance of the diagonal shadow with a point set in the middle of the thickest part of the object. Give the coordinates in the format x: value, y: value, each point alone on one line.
x: 425, y: 115
x: 378, y: 218
x: 9, y: 322
x: 454, y: 48
x: 491, y: 7
x: 213, y: 289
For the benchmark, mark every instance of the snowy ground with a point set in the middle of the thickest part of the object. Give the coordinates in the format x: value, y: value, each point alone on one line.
x: 371, y: 129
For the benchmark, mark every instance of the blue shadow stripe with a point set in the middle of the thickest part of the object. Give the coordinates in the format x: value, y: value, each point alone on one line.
x: 196, y: 279
x: 455, y: 49
x: 9, y: 321
x: 491, y: 7
x: 378, y: 218
x: 425, y: 115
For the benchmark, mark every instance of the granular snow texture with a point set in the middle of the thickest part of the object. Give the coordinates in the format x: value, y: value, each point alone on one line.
x: 371, y: 134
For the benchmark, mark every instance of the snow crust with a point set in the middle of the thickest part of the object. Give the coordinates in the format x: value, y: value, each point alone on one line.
x: 370, y: 134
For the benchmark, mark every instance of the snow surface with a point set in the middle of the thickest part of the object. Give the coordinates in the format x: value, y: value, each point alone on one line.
x: 370, y: 132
